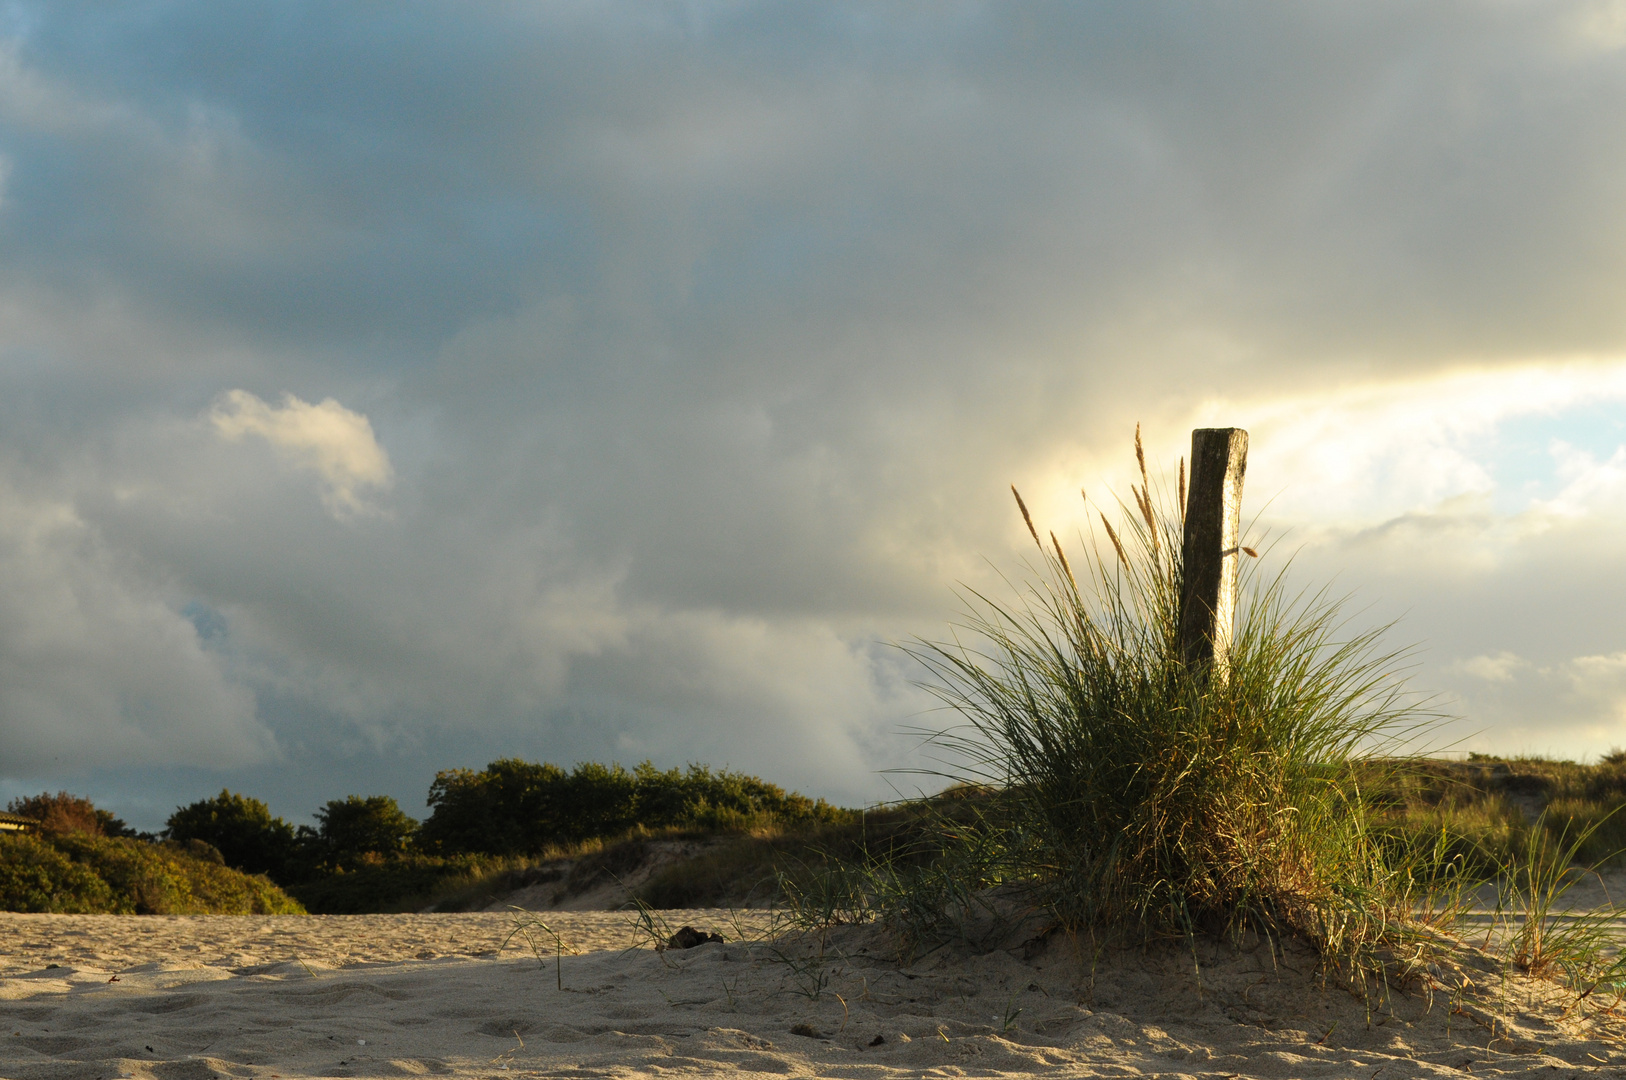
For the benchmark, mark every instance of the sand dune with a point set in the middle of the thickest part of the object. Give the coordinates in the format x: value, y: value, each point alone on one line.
x: 398, y: 995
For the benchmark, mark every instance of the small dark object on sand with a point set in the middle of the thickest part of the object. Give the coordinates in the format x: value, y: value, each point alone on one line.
x: 689, y: 937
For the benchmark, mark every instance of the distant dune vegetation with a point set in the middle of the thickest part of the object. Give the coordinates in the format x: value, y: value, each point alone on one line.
x: 81, y: 860
x: 229, y: 854
x: 489, y: 831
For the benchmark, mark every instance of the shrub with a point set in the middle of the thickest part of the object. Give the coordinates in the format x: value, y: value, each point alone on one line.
x: 509, y: 807
x: 36, y: 877
x: 158, y: 879
x: 1136, y: 792
x: 77, y: 872
x: 405, y: 883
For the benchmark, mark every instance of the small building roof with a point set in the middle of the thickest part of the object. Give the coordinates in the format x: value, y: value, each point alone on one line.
x: 16, y: 823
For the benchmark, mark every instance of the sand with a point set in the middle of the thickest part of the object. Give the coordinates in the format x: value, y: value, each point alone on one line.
x: 183, y: 998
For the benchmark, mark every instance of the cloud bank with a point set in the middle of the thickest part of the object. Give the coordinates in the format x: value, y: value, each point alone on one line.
x: 387, y: 390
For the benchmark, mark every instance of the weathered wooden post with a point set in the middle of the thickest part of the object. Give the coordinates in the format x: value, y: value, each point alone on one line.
x: 1219, y: 456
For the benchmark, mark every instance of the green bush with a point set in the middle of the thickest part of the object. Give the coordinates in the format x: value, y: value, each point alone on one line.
x: 35, y: 876
x: 404, y: 883
x: 509, y: 807
x: 82, y: 873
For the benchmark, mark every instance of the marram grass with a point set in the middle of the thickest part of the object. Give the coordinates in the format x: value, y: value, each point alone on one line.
x: 1136, y: 794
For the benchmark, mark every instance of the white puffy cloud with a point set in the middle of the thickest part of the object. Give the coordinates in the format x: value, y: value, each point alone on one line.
x: 1501, y: 668
x: 1592, y: 488
x: 326, y: 438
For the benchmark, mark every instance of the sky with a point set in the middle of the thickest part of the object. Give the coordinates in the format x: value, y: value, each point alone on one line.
x: 392, y: 388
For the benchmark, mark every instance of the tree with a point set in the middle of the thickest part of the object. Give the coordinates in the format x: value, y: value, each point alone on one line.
x: 511, y: 807
x: 353, y: 827
x: 64, y: 813
x: 514, y: 807
x: 241, y: 829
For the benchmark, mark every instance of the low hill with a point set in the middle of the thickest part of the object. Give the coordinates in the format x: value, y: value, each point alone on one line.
x: 1490, y: 805
x: 504, y: 823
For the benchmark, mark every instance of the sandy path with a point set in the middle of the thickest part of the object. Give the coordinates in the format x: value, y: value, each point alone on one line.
x: 407, y: 995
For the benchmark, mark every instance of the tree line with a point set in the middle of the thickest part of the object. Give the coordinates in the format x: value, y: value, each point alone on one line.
x: 509, y: 808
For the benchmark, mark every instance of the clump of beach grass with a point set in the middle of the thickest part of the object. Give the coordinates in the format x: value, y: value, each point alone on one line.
x: 1542, y: 937
x: 1137, y: 793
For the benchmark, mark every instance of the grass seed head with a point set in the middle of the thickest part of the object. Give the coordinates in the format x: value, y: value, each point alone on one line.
x: 1116, y: 543
x: 1061, y: 557
x: 1026, y: 516
x: 1182, y: 490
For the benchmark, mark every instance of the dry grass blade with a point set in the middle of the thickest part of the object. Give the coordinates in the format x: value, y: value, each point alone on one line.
x: 1144, y: 501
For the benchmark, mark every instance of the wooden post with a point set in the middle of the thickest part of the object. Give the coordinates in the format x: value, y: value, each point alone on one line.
x: 1219, y: 456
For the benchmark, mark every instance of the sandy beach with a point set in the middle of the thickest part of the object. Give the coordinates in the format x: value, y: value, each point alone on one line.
x: 174, y: 998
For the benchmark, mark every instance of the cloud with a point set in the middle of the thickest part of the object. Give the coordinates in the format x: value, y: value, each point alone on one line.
x: 1591, y: 487
x: 1366, y: 451
x: 96, y: 670
x: 1574, y: 707
x: 813, y: 704
x: 32, y: 101
x: 1601, y: 25
x: 1476, y: 509
x: 327, y: 439
x: 1602, y: 680
x: 1500, y: 668
x: 705, y: 342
